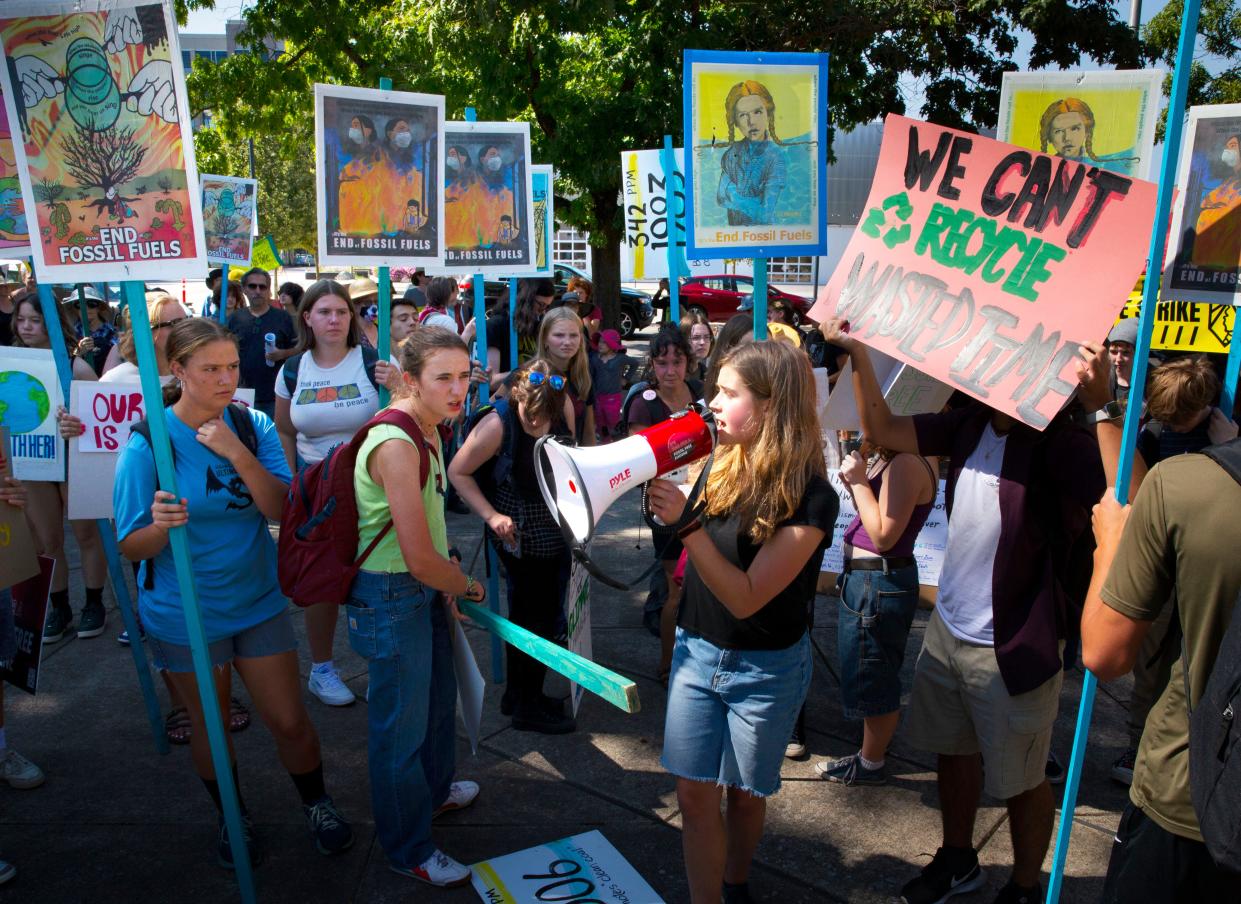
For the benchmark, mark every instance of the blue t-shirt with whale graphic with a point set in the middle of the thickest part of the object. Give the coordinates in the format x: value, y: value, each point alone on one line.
x: 233, y: 553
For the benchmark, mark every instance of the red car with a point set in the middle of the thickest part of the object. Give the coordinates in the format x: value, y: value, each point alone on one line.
x: 719, y: 296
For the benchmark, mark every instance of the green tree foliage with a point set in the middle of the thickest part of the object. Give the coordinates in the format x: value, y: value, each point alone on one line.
x: 1219, y: 42
x: 596, y: 78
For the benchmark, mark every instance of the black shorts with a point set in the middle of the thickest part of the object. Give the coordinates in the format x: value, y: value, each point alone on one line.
x: 1152, y: 865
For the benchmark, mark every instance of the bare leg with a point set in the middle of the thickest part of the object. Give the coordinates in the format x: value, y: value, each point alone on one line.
x: 960, y: 787
x: 90, y: 544
x: 321, y: 631
x: 877, y: 735
x: 275, y: 687
x: 668, y: 620
x: 745, y: 815
x: 187, y: 689
x: 703, y: 839
x: 46, y: 516
x: 1030, y: 818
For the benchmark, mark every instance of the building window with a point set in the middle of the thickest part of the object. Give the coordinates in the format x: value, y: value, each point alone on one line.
x: 791, y: 269
x: 572, y: 247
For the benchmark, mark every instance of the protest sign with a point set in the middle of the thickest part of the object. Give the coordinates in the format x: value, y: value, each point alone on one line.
x: 488, y: 198
x: 579, y: 623
x: 96, y: 95
x: 1204, y: 263
x: 985, y: 265
x: 14, y: 233
x: 542, y: 182
x: 17, y: 555
x: 229, y: 208
x: 30, y: 599
x: 1104, y: 119
x: 470, y: 685
x: 29, y: 396
x: 1186, y: 326
x: 756, y: 161
x: 906, y: 389
x: 582, y: 868
x: 264, y: 255
x: 929, y: 546
x: 379, y: 159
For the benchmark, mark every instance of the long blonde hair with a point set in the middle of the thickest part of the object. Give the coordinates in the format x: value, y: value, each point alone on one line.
x: 764, y: 482
x: 155, y: 314
x: 579, y: 367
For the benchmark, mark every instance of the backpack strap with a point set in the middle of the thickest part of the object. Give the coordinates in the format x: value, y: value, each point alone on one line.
x: 244, y: 425
x: 291, y: 364
x: 502, y: 469
x: 370, y: 358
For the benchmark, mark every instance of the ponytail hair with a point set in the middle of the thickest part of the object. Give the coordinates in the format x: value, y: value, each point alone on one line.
x: 185, y: 339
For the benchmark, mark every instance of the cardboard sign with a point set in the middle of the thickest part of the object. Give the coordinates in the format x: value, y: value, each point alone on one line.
x: 29, y: 396
x: 928, y: 547
x: 95, y: 94
x: 379, y: 162
x: 579, y: 623
x: 984, y: 265
x: 17, y: 556
x: 542, y: 182
x: 14, y: 233
x: 580, y: 868
x: 30, y: 601
x: 230, y: 208
x: 906, y: 389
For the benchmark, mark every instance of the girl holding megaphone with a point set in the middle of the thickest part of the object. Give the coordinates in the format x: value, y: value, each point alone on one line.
x: 741, y: 663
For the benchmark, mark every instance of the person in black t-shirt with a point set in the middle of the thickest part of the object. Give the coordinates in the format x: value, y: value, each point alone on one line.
x: 741, y: 665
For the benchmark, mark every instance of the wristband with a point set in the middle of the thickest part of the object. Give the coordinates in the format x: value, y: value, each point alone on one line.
x: 688, y: 529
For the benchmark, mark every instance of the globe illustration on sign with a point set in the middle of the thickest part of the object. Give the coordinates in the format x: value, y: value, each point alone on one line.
x: 24, y: 402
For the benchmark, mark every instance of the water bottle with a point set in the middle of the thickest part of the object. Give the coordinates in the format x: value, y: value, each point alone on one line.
x: 269, y: 347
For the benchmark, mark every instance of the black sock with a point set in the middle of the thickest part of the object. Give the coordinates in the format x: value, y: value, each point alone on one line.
x: 94, y: 596
x: 213, y: 788
x: 310, y: 785
x: 60, y: 599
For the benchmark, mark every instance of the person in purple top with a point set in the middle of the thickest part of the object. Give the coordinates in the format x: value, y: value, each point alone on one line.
x: 987, y: 682
x: 893, y: 496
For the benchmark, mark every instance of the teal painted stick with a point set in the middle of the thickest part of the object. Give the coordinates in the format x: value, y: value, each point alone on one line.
x: 1133, y: 409
x: 484, y: 393
x: 223, y: 298
x: 668, y: 161
x: 107, y: 533
x: 385, y: 300
x: 180, y: 543
x: 618, y: 690
x: 1228, y: 396
x: 760, y: 299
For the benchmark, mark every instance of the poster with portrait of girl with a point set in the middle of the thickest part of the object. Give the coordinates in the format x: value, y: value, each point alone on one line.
x: 756, y: 154
x: 379, y: 165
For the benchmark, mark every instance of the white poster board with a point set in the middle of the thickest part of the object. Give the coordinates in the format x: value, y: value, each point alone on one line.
x: 579, y: 623
x: 582, y: 867
x: 470, y: 684
x: 908, y: 391
x: 29, y: 396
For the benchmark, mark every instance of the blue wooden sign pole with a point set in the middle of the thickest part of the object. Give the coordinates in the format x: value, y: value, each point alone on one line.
x: 1133, y: 409
x: 759, y: 299
x: 179, y: 540
x: 222, y: 297
x: 385, y: 300
x: 1228, y: 397
x: 668, y: 161
x: 116, y: 571
x: 484, y: 394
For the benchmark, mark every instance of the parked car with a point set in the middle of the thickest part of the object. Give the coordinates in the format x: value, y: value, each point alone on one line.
x: 636, y: 312
x: 720, y: 297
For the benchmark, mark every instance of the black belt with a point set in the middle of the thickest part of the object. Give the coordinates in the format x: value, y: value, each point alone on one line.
x: 879, y: 563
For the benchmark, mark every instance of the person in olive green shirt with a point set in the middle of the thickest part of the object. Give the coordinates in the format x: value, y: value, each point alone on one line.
x: 1180, y: 535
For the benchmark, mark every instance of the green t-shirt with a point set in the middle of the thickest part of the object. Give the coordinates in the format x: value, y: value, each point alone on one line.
x: 1182, y: 535
x: 373, y: 510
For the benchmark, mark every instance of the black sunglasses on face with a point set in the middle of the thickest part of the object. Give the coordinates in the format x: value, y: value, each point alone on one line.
x: 256, y: 285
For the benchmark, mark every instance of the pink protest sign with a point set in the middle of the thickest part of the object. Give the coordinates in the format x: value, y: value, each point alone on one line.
x: 984, y: 264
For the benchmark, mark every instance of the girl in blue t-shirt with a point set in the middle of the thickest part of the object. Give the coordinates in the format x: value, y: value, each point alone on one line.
x: 227, y: 494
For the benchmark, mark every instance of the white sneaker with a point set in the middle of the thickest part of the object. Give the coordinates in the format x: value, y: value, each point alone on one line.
x: 439, y: 870
x: 18, y: 771
x: 330, y: 689
x: 460, y: 796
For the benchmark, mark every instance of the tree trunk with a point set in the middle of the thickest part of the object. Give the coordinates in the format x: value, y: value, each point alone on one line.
x: 606, y: 256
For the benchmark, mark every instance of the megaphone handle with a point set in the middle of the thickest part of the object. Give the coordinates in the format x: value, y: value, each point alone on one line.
x: 692, y: 509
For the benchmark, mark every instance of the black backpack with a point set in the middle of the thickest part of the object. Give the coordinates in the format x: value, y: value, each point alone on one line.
x: 370, y: 358
x: 496, y: 472
x: 249, y: 437
x: 1215, y: 726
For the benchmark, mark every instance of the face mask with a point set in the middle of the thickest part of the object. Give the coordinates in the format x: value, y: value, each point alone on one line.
x: 452, y: 163
x: 494, y: 164
x: 355, y: 135
x: 1230, y: 157
x: 419, y: 131
x: 402, y: 139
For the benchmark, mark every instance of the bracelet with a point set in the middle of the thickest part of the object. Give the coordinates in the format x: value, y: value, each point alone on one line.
x: 688, y: 529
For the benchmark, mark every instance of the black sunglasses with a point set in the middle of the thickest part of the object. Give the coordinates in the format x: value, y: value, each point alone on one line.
x: 257, y: 285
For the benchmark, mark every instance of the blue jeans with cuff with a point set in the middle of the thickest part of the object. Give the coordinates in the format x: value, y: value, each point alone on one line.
x: 876, y: 611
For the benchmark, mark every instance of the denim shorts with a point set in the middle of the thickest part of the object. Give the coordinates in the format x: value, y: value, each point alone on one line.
x: 876, y: 611
x: 267, y: 638
x: 731, y: 712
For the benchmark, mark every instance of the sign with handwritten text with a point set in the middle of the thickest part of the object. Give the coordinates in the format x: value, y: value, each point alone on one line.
x: 984, y: 265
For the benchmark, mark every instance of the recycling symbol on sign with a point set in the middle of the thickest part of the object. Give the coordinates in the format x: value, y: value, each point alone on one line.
x: 876, y: 219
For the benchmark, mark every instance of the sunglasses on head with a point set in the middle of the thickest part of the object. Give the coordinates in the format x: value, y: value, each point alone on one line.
x: 554, y: 380
x: 164, y: 323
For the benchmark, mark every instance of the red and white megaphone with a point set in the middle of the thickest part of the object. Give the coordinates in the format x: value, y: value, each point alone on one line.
x: 585, y: 481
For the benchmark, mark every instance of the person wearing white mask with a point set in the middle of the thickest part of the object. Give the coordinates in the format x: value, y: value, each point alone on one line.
x: 1215, y: 241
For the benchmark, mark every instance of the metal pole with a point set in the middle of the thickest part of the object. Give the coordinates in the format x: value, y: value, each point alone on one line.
x: 107, y: 533
x: 180, y: 543
x: 1133, y: 409
x: 1135, y: 15
x: 667, y: 159
x: 760, y: 299
x: 383, y: 340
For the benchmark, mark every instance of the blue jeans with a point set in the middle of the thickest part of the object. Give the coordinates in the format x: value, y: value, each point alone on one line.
x: 399, y: 627
x: 876, y: 611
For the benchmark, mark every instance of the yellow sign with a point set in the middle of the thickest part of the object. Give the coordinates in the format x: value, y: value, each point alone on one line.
x: 1186, y: 326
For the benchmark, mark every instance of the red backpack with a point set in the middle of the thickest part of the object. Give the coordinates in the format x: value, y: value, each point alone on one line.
x: 319, y: 525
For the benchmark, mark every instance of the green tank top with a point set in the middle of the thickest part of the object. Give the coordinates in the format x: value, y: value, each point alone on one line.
x: 373, y: 510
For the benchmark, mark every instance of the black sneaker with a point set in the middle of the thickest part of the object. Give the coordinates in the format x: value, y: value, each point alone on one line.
x: 92, y: 621
x: 58, y: 623
x: 1054, y: 770
x: 848, y: 770
x: 331, y: 833
x: 736, y: 894
x: 537, y: 718
x: 949, y: 873
x: 1015, y: 894
x: 224, y: 848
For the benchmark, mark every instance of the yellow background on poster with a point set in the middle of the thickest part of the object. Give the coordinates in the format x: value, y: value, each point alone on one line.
x: 791, y: 91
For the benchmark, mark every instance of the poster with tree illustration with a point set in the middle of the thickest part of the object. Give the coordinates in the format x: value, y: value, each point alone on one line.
x: 228, y: 218
x: 95, y: 97
x: 14, y: 235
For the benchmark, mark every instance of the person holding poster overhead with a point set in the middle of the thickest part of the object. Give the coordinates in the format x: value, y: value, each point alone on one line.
x: 741, y: 666
x: 230, y: 493
x: 48, y: 500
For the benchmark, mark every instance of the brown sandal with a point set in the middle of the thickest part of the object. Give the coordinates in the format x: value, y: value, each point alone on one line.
x: 177, y: 726
x: 238, y: 715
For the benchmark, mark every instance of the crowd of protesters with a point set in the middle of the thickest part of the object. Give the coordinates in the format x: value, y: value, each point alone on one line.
x: 1040, y: 561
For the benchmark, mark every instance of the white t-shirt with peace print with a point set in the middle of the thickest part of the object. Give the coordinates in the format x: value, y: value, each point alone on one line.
x: 329, y: 404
